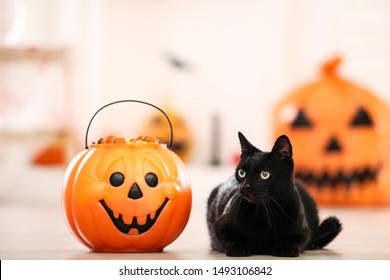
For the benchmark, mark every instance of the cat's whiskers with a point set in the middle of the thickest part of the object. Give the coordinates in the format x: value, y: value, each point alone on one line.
x: 239, y: 204
x: 261, y: 200
x: 274, y: 202
x: 235, y: 197
x: 264, y: 202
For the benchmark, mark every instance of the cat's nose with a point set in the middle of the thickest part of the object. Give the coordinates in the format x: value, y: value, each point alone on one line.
x: 247, y: 186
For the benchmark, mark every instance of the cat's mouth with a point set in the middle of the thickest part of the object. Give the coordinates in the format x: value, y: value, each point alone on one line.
x: 245, y: 193
x: 347, y: 179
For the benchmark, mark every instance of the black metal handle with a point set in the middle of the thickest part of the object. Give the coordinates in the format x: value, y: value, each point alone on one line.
x: 134, y: 101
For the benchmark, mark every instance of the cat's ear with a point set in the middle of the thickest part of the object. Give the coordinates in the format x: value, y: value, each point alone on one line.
x: 246, y: 146
x: 282, y: 148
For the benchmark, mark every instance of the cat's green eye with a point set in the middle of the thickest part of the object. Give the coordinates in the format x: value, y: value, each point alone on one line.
x: 241, y: 173
x: 264, y: 175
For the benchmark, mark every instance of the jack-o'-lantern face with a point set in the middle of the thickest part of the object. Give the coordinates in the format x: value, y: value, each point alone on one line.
x: 127, y: 197
x: 158, y: 126
x: 144, y: 196
x: 340, y: 134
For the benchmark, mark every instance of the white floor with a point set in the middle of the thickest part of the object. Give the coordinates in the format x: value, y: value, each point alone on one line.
x: 36, y: 230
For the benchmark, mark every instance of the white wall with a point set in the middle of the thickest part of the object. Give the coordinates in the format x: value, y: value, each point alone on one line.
x: 235, y: 50
x: 244, y: 57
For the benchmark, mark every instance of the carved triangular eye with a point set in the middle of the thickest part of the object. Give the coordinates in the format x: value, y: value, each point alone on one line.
x: 362, y: 118
x: 301, y: 120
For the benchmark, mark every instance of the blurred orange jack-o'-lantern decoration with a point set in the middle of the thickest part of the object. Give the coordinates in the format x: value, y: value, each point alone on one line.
x: 126, y: 195
x: 341, y: 138
x: 158, y: 127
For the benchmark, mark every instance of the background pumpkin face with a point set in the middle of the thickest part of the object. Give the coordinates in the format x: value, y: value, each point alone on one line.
x: 341, y: 138
x: 182, y: 140
x: 127, y: 197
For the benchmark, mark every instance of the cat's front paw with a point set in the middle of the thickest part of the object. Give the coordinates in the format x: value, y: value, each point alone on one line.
x: 286, y: 250
x: 237, y: 251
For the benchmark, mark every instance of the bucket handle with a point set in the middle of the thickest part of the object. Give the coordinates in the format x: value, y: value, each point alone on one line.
x: 134, y: 101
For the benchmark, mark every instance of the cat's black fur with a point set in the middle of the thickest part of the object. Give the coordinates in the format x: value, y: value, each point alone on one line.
x: 251, y: 214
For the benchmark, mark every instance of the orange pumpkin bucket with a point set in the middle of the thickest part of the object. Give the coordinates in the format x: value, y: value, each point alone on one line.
x: 341, y: 138
x: 126, y: 195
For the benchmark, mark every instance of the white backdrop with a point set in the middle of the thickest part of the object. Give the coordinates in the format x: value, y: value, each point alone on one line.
x: 243, y: 57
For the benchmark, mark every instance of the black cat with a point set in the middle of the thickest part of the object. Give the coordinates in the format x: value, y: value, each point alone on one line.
x: 262, y: 210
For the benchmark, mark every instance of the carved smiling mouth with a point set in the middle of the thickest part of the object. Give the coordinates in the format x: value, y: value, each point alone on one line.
x: 341, y: 178
x: 125, y: 228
